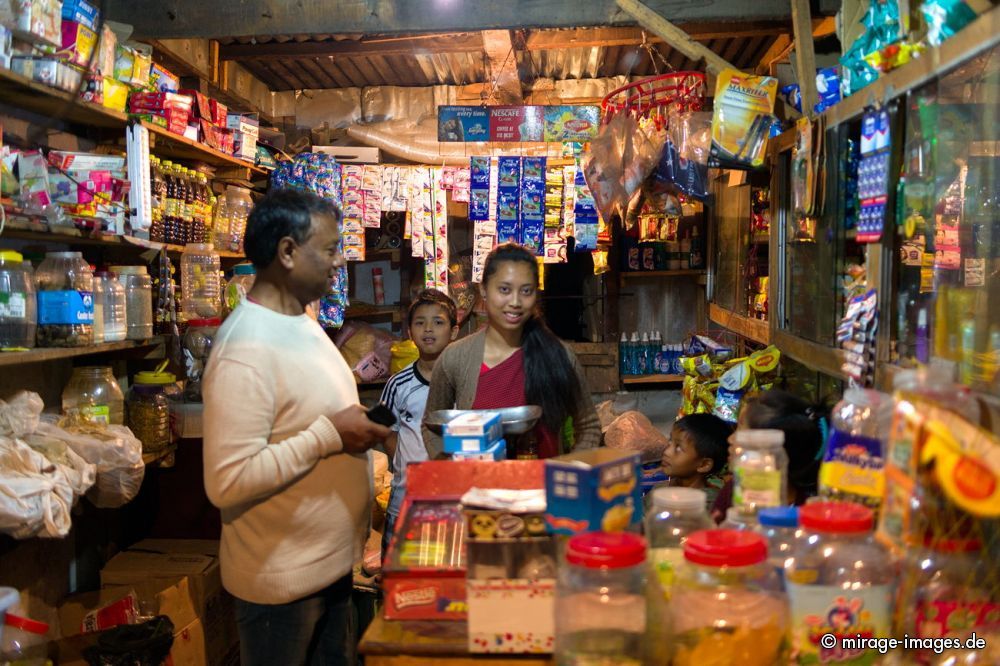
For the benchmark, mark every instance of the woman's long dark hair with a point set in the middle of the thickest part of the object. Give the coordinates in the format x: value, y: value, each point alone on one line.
x: 803, y: 426
x: 550, y: 379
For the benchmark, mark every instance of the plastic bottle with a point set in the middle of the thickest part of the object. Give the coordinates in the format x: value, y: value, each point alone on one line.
x: 644, y: 355
x: 853, y: 462
x: 780, y: 526
x: 109, y: 308
x: 623, y: 368
x: 170, y: 206
x: 18, y: 301
x: 238, y: 288
x: 737, y: 519
x: 967, y: 363
x: 760, y: 469
x: 200, y: 287
x: 633, y: 354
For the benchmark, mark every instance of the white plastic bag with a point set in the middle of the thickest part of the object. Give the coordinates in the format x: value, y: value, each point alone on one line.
x: 632, y: 431
x: 19, y: 416
x: 80, y: 473
x: 114, y: 450
x: 35, y: 496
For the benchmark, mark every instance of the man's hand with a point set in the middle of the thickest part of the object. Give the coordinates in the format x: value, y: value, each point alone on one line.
x: 356, y: 432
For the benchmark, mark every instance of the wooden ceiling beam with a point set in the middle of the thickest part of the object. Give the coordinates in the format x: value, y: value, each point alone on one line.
x: 674, y: 35
x: 502, y: 72
x: 543, y: 40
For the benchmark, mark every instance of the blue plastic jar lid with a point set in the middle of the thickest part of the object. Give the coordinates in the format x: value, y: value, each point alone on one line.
x: 779, y: 516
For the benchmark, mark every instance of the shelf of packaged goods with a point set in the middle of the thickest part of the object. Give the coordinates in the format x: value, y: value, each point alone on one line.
x: 652, y: 379
x: 374, y: 312
x: 176, y: 147
x: 22, y: 92
x: 630, y: 275
x: 33, y: 228
x: 747, y: 327
x: 41, y: 355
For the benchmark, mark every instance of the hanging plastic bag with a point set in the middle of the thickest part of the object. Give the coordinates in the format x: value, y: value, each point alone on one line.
x: 35, y: 496
x: 633, y: 431
x: 741, y: 120
x: 602, y: 166
x: 80, y: 474
x: 113, y: 449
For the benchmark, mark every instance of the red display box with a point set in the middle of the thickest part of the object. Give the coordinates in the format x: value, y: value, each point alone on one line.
x: 424, y: 571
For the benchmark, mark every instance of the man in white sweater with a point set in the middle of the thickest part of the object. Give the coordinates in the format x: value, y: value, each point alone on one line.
x: 286, y: 445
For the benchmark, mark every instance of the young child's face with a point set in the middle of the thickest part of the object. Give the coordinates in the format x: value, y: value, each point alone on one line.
x: 431, y: 330
x: 681, y: 459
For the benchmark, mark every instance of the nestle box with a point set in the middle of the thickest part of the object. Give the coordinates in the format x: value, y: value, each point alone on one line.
x: 247, y: 123
x: 593, y: 490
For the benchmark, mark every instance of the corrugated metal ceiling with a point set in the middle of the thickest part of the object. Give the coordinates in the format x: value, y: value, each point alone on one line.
x: 440, y: 62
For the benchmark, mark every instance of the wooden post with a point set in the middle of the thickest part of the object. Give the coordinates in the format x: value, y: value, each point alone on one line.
x: 674, y: 36
x: 805, y: 55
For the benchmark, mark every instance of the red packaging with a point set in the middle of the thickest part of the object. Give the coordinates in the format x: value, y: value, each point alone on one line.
x: 202, y: 108
x: 424, y: 571
x: 123, y: 611
x: 144, y: 102
x: 219, y: 112
x: 216, y: 137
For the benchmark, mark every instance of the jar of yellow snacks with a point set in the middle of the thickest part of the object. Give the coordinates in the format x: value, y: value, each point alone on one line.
x: 727, y: 604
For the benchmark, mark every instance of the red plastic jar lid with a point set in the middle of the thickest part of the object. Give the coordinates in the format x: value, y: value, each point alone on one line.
x: 836, y: 517
x: 26, y: 624
x: 725, y: 548
x: 606, y: 550
x: 203, y: 323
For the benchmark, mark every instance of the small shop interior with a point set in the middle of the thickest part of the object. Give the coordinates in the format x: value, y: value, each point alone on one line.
x: 725, y: 199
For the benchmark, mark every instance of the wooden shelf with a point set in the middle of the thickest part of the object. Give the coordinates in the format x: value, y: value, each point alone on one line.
x: 33, y: 228
x: 41, y: 355
x: 652, y: 379
x: 747, y: 327
x: 631, y: 275
x: 20, y: 91
x: 375, y: 312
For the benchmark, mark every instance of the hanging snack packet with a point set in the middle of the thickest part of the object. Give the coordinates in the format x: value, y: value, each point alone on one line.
x: 733, y: 385
x: 741, y: 122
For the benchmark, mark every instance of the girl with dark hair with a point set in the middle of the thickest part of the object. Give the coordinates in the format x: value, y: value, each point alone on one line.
x: 805, y: 427
x: 515, y: 360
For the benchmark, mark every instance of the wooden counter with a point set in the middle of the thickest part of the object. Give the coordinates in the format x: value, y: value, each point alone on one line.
x: 392, y: 643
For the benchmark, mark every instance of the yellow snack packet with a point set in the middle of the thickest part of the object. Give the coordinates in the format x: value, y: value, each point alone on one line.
x: 741, y: 121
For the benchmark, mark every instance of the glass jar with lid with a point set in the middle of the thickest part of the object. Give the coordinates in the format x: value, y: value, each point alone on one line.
x: 760, y: 469
x: 839, y: 581
x: 149, y: 410
x: 600, y: 600
x: 18, y: 305
x: 727, y: 605
x: 197, y: 344
x: 65, y: 301
x: 780, y: 526
x: 93, y: 395
x: 138, y: 285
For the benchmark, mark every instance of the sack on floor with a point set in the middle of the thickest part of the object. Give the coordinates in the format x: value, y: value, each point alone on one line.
x: 632, y: 431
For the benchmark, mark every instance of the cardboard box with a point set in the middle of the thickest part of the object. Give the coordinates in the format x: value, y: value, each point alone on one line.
x: 202, y: 108
x: 115, y: 94
x: 220, y: 112
x: 78, y: 42
x: 511, y: 615
x: 107, y: 42
x: 50, y: 71
x: 247, y: 123
x: 244, y: 146
x: 66, y: 160
x: 351, y: 154
x: 162, y: 80
x: 82, y: 12
x: 497, y: 451
x: 592, y: 490
x: 472, y: 432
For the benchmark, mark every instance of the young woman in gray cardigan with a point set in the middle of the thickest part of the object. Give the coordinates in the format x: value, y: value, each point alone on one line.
x: 516, y: 360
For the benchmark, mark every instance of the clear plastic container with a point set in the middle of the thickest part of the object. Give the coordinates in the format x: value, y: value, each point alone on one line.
x: 197, y: 345
x: 737, y: 519
x: 853, y: 468
x: 65, y: 301
x: 600, y: 600
x: 727, y: 604
x: 110, y: 323
x: 780, y: 526
x: 239, y: 286
x: 945, y: 592
x: 149, y: 415
x: 231, y: 213
x: 760, y: 469
x: 138, y: 285
x: 92, y: 395
x: 839, y: 581
x: 20, y: 634
x: 18, y: 302
x: 201, y: 290
x: 676, y: 513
